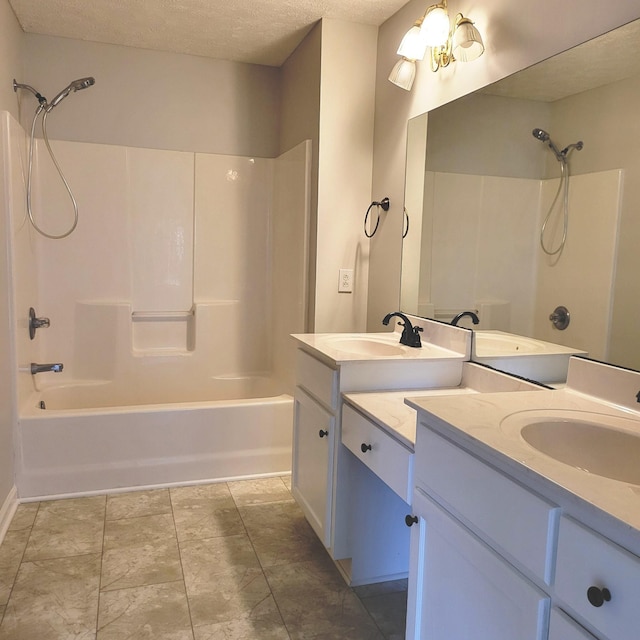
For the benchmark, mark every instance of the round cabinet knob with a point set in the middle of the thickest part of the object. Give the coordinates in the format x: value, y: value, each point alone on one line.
x: 410, y: 520
x: 365, y: 447
x: 322, y: 433
x: 597, y: 597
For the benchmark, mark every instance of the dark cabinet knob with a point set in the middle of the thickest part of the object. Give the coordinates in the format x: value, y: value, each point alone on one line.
x: 410, y: 520
x: 597, y: 597
x: 322, y: 433
x: 365, y: 447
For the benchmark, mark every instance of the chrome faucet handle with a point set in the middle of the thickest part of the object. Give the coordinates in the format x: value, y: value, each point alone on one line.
x: 36, y: 323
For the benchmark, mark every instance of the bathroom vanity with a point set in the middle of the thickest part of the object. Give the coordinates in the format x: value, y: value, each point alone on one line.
x: 338, y: 495
x: 510, y: 542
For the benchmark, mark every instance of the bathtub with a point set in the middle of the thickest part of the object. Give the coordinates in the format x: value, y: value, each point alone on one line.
x: 91, y: 437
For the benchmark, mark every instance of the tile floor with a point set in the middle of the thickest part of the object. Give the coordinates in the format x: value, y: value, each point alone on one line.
x: 228, y: 561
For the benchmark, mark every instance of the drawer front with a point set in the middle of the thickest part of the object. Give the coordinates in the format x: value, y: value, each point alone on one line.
x: 391, y: 461
x: 585, y: 559
x: 318, y: 379
x: 512, y: 519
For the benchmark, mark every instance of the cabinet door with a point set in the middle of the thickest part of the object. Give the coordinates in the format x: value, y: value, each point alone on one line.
x: 463, y: 589
x: 313, y: 446
x: 562, y: 627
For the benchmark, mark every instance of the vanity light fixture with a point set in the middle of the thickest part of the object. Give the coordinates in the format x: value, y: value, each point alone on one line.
x: 462, y: 42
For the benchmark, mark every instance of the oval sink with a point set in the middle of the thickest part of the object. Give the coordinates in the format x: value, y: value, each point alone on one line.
x: 603, y: 445
x: 367, y: 346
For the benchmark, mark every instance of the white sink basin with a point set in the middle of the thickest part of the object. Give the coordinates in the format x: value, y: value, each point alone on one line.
x: 523, y: 356
x: 490, y: 343
x: 594, y: 443
x: 368, y: 346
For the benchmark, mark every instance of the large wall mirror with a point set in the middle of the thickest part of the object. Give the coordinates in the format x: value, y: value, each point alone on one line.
x: 480, y: 185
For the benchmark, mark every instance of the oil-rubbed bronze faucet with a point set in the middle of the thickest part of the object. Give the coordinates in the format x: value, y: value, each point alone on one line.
x: 410, y: 335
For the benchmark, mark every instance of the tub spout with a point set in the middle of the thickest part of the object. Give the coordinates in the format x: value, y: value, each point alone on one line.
x: 42, y: 368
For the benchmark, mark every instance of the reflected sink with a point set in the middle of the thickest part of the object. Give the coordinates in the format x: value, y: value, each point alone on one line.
x: 489, y: 343
x: 368, y: 346
x: 599, y: 444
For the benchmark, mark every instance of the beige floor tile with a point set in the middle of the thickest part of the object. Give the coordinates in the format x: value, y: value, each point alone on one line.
x: 138, y: 532
x: 138, y: 566
x: 65, y: 528
x: 154, y: 612
x: 316, y: 603
x: 207, y: 522
x: 263, y: 623
x: 389, y: 612
x: 223, y: 579
x: 204, y: 495
x: 54, y: 599
x: 138, y: 503
x: 203, y: 560
x: 287, y: 481
x: 265, y: 490
x: 280, y: 533
x: 24, y: 516
x: 11, y: 552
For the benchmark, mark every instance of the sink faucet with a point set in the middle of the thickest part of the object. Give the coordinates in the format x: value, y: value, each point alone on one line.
x: 470, y: 314
x: 410, y: 335
x: 42, y: 368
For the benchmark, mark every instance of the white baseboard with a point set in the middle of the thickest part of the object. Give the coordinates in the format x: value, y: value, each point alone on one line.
x: 7, y: 510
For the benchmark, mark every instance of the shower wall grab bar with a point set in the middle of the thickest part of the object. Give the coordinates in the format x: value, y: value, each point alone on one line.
x: 142, y: 316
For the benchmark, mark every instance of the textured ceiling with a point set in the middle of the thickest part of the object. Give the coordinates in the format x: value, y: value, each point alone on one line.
x: 256, y: 31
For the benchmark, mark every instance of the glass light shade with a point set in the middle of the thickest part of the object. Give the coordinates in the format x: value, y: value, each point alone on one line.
x: 467, y: 42
x: 435, y: 27
x: 413, y: 45
x: 403, y: 74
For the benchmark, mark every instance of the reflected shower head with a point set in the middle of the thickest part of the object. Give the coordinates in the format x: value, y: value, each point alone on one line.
x: 76, y: 85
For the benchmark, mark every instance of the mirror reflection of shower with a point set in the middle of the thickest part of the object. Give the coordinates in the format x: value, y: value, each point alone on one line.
x: 563, y: 158
x: 45, y: 107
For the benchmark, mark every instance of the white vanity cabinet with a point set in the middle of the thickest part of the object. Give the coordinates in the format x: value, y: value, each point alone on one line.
x: 356, y: 514
x: 466, y: 590
x: 480, y: 550
x: 314, y: 434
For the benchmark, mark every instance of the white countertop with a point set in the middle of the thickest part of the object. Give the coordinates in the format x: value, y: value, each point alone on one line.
x: 390, y: 412
x: 475, y: 422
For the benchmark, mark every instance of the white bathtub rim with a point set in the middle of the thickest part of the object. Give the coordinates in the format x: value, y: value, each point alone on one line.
x: 148, y: 487
x: 32, y: 411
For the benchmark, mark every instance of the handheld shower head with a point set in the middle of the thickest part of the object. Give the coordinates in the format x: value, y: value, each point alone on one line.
x: 541, y: 134
x: 76, y: 85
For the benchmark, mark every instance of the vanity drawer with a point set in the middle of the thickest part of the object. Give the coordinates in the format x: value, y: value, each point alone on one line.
x: 514, y: 521
x: 391, y: 461
x: 317, y: 379
x: 585, y: 559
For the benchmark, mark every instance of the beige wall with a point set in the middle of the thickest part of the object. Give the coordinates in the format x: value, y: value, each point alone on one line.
x: 517, y: 34
x: 300, y: 120
x: 347, y: 99
x: 155, y: 99
x: 11, y: 40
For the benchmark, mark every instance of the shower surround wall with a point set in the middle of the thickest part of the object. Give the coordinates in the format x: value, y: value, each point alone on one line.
x: 164, y: 293
x: 177, y: 243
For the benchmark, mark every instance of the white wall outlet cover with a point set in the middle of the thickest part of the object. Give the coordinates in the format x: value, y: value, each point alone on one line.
x: 345, y: 281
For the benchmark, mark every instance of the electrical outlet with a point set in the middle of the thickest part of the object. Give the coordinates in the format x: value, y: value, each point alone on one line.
x: 345, y: 281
